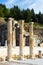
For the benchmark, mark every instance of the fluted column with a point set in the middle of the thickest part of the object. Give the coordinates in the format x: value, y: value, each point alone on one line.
x: 21, y: 22
x: 31, y: 41
x: 9, y: 39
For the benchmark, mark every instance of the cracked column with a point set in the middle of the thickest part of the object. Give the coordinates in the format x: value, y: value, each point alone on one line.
x: 21, y: 39
x: 31, y: 40
x: 9, y: 39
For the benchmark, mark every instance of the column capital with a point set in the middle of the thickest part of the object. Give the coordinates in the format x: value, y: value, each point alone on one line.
x: 10, y: 19
x: 31, y: 23
x: 21, y: 21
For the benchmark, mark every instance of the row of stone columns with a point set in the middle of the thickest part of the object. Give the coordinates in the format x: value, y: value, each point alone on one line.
x: 9, y: 39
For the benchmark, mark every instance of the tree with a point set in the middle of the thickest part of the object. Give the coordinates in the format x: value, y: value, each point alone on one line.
x: 33, y: 16
x: 26, y: 15
x: 1, y: 11
x: 40, y: 18
x: 6, y: 12
x: 15, y: 12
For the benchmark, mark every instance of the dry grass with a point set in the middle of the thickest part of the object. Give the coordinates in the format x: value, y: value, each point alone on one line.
x: 17, y: 57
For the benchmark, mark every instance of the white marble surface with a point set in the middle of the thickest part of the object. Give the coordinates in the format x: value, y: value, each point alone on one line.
x: 23, y: 62
x: 16, y: 50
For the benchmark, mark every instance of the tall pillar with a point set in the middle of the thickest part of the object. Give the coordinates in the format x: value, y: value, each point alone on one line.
x: 31, y: 41
x: 21, y: 38
x: 14, y: 34
x: 9, y: 39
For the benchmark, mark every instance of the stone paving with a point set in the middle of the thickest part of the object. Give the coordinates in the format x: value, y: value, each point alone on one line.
x: 23, y: 62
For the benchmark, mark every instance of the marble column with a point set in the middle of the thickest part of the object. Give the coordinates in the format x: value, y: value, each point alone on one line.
x: 14, y: 34
x: 9, y: 39
x: 21, y: 22
x: 31, y: 40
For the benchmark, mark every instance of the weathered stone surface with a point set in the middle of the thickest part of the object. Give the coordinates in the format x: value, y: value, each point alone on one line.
x: 31, y: 39
x: 9, y: 38
x: 21, y: 22
x: 14, y: 34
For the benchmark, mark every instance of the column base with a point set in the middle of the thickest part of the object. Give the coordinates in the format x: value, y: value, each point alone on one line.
x: 8, y: 59
x: 32, y: 57
x: 21, y: 58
